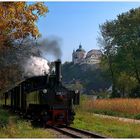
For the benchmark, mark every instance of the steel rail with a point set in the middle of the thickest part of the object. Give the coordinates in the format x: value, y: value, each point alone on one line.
x: 86, y: 133
x: 65, y: 132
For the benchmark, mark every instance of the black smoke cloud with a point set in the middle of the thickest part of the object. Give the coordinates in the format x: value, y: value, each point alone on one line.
x: 51, y: 46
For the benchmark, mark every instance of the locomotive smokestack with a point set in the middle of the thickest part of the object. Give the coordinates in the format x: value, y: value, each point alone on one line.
x: 58, y: 70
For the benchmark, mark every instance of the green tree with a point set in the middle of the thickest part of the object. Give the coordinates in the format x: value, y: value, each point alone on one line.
x: 77, y: 86
x: 109, y: 51
x: 122, y: 36
x: 127, y: 37
x: 126, y: 83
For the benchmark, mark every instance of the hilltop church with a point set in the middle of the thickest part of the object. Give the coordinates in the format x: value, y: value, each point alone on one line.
x: 81, y: 57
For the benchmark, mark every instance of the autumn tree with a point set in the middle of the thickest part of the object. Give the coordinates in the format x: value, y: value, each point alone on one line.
x: 17, y: 20
x: 17, y: 27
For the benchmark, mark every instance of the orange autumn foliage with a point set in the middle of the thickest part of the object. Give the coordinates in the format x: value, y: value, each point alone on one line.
x: 17, y: 20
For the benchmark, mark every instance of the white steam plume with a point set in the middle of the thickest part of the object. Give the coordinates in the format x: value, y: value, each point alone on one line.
x: 36, y: 66
x: 29, y: 55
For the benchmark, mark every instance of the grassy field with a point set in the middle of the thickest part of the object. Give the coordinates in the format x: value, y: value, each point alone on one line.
x: 129, y: 108
x: 14, y: 127
x: 85, y: 118
x: 105, y: 126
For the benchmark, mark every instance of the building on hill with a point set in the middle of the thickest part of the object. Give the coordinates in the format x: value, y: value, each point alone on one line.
x: 80, y: 57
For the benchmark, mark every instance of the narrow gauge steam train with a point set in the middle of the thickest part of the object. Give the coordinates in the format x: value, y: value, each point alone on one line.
x: 53, y: 103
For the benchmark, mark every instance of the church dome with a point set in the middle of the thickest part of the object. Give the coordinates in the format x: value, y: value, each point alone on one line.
x: 80, y: 49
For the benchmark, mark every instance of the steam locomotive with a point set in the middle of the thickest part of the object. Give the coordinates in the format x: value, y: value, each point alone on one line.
x: 44, y: 99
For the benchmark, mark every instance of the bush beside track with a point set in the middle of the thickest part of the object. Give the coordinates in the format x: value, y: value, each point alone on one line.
x: 4, y: 118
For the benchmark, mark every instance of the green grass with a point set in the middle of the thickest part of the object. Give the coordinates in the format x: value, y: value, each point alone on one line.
x: 105, y: 126
x: 15, y: 127
x: 85, y: 119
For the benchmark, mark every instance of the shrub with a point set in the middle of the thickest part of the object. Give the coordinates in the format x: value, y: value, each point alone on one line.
x: 137, y: 116
x: 3, y: 118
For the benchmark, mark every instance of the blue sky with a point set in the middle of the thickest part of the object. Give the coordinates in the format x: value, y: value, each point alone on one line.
x: 76, y: 22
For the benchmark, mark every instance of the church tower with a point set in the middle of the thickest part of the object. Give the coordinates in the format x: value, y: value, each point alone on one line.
x: 78, y: 55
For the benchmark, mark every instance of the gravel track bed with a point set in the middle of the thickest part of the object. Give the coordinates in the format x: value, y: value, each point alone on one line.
x: 57, y: 134
x: 76, y: 133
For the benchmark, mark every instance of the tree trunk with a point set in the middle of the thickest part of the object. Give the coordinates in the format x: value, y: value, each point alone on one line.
x: 135, y: 65
x: 114, y: 92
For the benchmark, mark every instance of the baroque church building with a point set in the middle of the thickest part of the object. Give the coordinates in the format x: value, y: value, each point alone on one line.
x: 81, y: 57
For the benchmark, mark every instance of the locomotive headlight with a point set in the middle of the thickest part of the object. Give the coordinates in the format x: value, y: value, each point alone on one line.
x: 76, y: 91
x: 44, y: 90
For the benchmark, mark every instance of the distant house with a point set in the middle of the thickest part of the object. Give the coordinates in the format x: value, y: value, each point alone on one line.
x: 80, y: 57
x: 109, y: 89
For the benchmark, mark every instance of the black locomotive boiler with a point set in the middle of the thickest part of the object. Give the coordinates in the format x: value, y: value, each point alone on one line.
x: 51, y: 104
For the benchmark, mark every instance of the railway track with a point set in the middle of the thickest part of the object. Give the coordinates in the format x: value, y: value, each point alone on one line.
x: 77, y: 133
